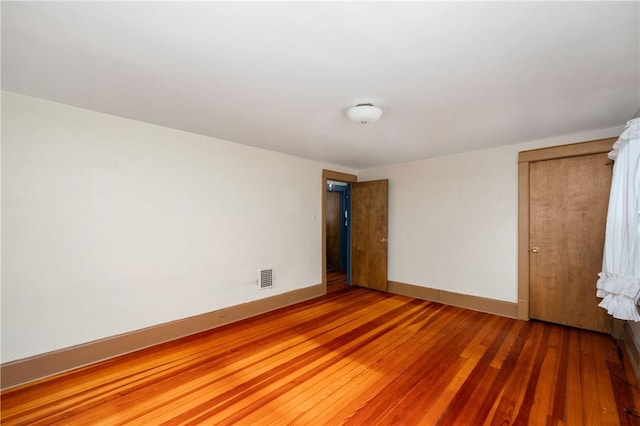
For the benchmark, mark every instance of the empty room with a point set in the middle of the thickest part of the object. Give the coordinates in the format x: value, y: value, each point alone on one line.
x: 320, y: 213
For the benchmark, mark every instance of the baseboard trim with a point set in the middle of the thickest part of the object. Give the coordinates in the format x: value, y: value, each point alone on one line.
x: 26, y: 370
x: 632, y: 351
x: 476, y: 303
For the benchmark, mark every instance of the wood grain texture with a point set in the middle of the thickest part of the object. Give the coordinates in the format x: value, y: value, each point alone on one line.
x: 568, y: 211
x: 569, y: 150
x: 523, y: 241
x: 482, y: 304
x: 336, y: 280
x: 50, y: 363
x: 354, y: 357
x: 334, y: 225
x: 369, y: 221
x: 525, y: 158
x: 339, y: 176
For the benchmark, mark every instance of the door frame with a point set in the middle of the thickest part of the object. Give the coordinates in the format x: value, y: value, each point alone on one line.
x: 524, y: 159
x: 326, y: 176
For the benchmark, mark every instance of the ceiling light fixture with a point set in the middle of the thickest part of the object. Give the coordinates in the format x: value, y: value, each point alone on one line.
x: 364, y: 113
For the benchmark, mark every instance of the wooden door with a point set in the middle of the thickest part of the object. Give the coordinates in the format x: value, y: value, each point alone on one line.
x: 334, y: 226
x: 369, y: 234
x: 568, y: 210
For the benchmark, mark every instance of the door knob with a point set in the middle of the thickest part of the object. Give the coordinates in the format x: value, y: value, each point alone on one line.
x: 384, y: 240
x: 535, y: 249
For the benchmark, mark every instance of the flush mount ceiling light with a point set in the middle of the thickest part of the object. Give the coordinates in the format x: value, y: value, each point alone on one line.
x: 364, y: 113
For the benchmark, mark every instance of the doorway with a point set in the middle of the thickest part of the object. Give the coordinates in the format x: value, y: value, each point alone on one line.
x: 367, y: 257
x: 338, y: 235
x: 330, y: 280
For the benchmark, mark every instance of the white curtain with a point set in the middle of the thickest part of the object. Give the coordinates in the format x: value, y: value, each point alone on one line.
x: 619, y: 282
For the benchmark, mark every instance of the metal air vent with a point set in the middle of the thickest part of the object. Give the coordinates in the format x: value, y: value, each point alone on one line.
x: 266, y: 279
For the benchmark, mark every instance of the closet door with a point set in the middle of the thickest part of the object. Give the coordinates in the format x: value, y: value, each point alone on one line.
x: 568, y: 200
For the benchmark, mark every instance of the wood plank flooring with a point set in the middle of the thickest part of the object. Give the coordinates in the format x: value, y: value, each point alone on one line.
x: 336, y: 280
x: 353, y: 357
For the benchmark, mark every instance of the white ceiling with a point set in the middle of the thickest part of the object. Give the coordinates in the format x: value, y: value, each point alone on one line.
x: 450, y: 76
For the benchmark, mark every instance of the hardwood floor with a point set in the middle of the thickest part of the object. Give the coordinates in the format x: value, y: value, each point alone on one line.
x: 336, y: 280
x: 355, y: 357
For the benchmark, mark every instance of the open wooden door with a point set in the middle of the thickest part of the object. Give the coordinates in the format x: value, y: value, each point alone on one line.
x: 369, y: 234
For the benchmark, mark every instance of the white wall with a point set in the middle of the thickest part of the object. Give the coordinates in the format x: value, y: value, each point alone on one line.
x: 453, y: 220
x: 111, y: 225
